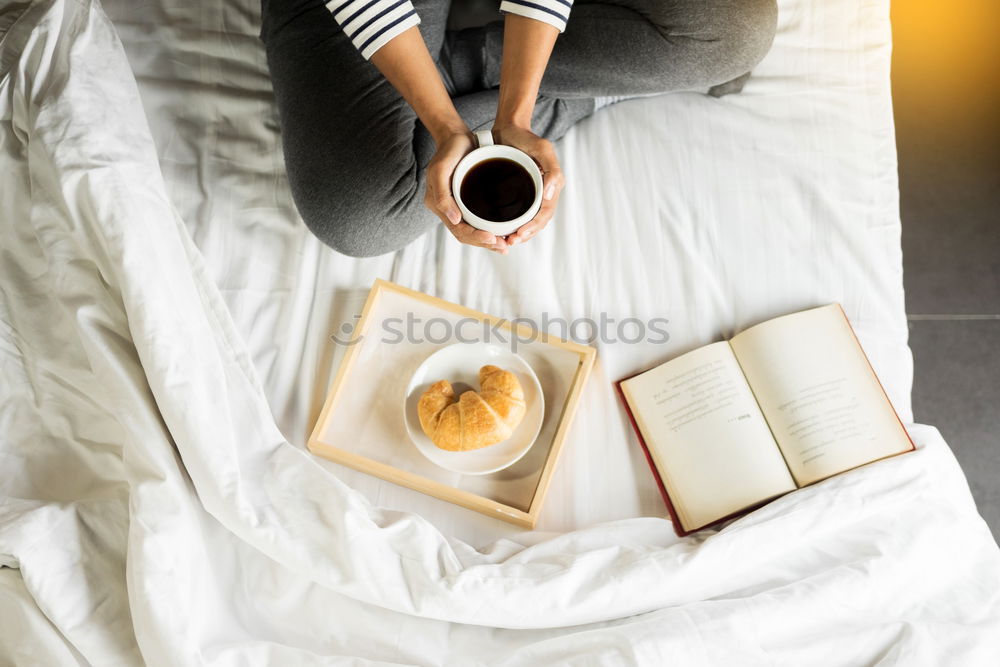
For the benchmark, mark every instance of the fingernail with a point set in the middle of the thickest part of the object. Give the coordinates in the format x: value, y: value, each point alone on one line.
x: 454, y: 216
x: 550, y: 191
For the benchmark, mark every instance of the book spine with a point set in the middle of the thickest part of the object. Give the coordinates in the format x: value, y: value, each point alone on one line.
x: 678, y: 528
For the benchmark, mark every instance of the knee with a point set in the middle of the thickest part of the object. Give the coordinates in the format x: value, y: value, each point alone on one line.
x: 347, y: 232
x: 745, y: 34
x: 359, y: 210
x: 352, y: 227
x: 715, y: 42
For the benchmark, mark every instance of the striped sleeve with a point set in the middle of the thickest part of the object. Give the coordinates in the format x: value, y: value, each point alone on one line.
x: 553, y: 12
x: 370, y: 24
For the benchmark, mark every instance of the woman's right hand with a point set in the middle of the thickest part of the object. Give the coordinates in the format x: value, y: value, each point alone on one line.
x: 439, y: 197
x: 407, y: 65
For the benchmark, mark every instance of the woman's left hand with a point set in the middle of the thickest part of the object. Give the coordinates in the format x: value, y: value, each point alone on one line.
x: 543, y: 152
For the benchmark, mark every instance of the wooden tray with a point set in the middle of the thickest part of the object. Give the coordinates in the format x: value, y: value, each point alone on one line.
x: 361, y: 423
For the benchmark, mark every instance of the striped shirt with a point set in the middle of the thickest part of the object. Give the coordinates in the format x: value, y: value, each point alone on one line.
x: 372, y: 23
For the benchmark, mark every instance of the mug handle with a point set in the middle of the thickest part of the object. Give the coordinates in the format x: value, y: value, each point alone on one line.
x: 484, y: 138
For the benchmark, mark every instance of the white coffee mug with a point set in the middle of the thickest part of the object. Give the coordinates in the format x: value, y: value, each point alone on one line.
x: 487, y: 150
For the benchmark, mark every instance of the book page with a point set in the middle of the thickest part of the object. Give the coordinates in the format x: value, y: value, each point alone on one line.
x: 706, y: 435
x: 824, y: 404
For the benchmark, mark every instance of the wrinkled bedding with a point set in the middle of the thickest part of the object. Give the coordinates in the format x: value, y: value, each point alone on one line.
x: 164, y: 349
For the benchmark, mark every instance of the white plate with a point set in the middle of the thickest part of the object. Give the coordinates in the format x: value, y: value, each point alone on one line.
x: 460, y: 364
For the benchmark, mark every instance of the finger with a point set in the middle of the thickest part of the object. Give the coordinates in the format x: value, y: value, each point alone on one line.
x: 552, y: 186
x: 535, y: 225
x: 528, y: 230
x: 548, y: 160
x: 481, y: 236
x: 498, y: 244
x: 553, y: 182
x: 545, y: 212
x: 439, y: 198
x: 468, y: 234
x: 463, y: 235
x: 500, y: 247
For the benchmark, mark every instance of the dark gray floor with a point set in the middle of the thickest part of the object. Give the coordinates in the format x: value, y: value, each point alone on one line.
x: 946, y: 90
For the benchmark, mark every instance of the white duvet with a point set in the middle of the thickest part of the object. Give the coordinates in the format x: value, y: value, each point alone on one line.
x: 158, y: 377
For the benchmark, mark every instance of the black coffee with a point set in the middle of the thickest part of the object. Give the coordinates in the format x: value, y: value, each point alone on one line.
x: 498, y: 190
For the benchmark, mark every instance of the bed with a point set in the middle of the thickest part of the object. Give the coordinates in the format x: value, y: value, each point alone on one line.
x: 165, y: 350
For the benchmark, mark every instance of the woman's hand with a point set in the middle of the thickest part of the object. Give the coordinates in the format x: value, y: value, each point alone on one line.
x: 527, y: 44
x: 408, y: 66
x: 542, y: 152
x: 440, y: 199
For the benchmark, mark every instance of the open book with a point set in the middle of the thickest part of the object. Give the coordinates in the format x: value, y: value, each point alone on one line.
x: 732, y: 425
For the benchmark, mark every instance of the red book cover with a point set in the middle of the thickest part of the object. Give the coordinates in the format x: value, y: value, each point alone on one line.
x: 671, y: 510
x: 649, y: 459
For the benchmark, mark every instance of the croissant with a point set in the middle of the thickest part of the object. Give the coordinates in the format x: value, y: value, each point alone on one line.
x: 475, y: 420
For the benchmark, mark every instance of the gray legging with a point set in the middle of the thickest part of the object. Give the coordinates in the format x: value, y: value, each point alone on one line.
x: 356, y: 153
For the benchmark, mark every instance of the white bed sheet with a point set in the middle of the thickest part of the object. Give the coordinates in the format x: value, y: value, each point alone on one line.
x: 713, y: 213
x: 151, y: 506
